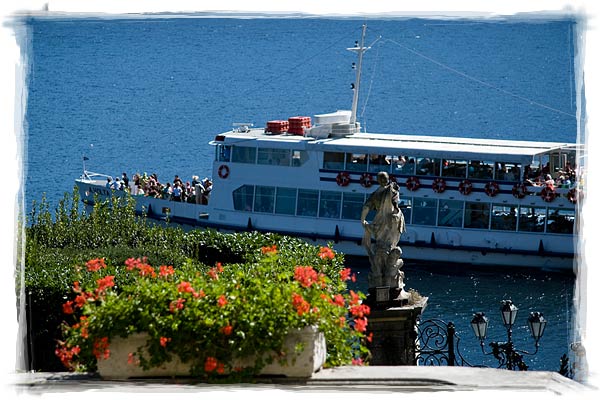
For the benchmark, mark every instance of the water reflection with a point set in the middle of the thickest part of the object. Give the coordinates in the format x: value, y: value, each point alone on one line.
x: 456, y: 293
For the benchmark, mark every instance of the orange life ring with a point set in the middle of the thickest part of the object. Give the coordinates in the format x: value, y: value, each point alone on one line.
x: 548, y: 193
x: 223, y: 171
x: 492, y: 189
x: 413, y: 183
x: 465, y: 187
x: 519, y: 190
x: 574, y: 195
x: 366, y: 180
x: 439, y: 185
x: 343, y: 179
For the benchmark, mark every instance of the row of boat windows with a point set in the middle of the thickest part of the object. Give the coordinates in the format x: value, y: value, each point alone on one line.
x: 264, y: 156
x: 422, y: 211
x: 409, y: 165
x: 373, y: 163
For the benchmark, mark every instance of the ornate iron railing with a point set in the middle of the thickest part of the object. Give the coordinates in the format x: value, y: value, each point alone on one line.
x: 438, y: 344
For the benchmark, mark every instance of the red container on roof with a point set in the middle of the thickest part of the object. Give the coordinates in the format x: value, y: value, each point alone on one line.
x: 277, y: 126
x: 298, y: 124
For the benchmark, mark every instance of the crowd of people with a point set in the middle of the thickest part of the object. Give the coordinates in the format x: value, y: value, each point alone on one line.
x: 197, y: 191
x: 563, y: 178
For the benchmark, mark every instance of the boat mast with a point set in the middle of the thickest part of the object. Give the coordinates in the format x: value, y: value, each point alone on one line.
x: 360, y: 49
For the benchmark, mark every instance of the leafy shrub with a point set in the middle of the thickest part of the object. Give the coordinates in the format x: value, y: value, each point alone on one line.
x: 111, y: 230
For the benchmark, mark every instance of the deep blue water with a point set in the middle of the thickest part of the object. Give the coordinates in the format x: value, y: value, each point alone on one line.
x: 146, y: 95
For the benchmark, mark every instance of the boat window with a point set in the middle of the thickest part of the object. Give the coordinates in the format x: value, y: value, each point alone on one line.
x: 299, y: 157
x: 504, y: 217
x: 274, y: 157
x: 428, y: 166
x: 454, y: 168
x: 424, y: 211
x: 308, y: 200
x: 403, y: 165
x: 508, y: 171
x: 242, y: 198
x: 356, y: 162
x: 333, y: 160
x: 330, y: 204
x: 450, y: 213
x: 532, y: 171
x: 481, y: 169
x: 285, y: 201
x: 560, y: 221
x: 264, y: 199
x: 406, y: 208
x: 477, y: 215
x: 245, y: 155
x: 223, y: 153
x: 352, y: 205
x: 532, y: 219
x: 379, y: 162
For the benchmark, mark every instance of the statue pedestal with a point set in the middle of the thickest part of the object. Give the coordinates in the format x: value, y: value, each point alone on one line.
x: 394, y: 334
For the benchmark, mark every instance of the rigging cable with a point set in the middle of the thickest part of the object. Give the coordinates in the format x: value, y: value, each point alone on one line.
x: 464, y: 75
x: 370, y: 87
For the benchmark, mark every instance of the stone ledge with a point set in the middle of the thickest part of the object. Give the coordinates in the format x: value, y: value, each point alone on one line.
x: 341, y: 379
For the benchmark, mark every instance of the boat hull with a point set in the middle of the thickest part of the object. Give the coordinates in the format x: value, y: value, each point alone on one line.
x: 422, y: 244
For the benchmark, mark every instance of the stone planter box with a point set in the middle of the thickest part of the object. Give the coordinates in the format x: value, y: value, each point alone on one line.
x: 299, y: 365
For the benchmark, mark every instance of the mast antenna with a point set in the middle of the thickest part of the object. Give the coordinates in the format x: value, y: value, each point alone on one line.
x: 359, y: 49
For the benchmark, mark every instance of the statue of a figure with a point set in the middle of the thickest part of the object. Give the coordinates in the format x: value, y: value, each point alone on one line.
x: 386, y: 229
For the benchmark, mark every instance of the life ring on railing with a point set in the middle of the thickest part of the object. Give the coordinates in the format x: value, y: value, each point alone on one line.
x: 465, y: 187
x: 548, y: 193
x: 223, y: 171
x: 438, y: 185
x: 492, y: 189
x: 413, y: 183
x: 574, y: 195
x: 366, y: 180
x: 343, y: 179
x: 519, y: 190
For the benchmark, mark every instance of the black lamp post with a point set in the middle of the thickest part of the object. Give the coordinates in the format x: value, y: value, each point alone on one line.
x: 505, y: 352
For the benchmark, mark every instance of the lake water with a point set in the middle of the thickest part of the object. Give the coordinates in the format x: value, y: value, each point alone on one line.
x: 146, y: 95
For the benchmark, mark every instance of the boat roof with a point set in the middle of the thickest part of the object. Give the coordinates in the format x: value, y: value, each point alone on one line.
x: 417, y: 145
x: 444, y: 146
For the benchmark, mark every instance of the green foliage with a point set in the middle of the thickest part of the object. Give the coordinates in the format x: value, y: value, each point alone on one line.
x: 257, y: 274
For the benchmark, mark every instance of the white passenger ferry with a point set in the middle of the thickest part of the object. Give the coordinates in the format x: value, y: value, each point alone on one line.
x: 464, y: 200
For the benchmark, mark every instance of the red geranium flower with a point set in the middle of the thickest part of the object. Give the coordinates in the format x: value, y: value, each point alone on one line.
x: 165, y: 270
x: 222, y: 301
x: 210, y: 364
x: 345, y: 274
x: 269, y: 250
x: 302, y: 306
x: 68, y: 307
x: 105, y: 283
x: 164, y: 341
x: 226, y: 330
x: 306, y: 276
x: 360, y: 324
x: 95, y: 265
x: 326, y: 252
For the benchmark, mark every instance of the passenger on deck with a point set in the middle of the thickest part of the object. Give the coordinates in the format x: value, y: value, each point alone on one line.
x: 549, y: 181
x: 177, y: 192
x: 125, y: 180
x: 167, y: 191
x: 177, y: 180
x: 207, y: 184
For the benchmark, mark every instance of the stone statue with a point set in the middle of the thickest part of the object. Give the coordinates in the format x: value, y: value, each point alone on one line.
x: 386, y: 228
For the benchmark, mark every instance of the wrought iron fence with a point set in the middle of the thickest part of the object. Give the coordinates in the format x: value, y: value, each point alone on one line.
x: 438, y: 344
